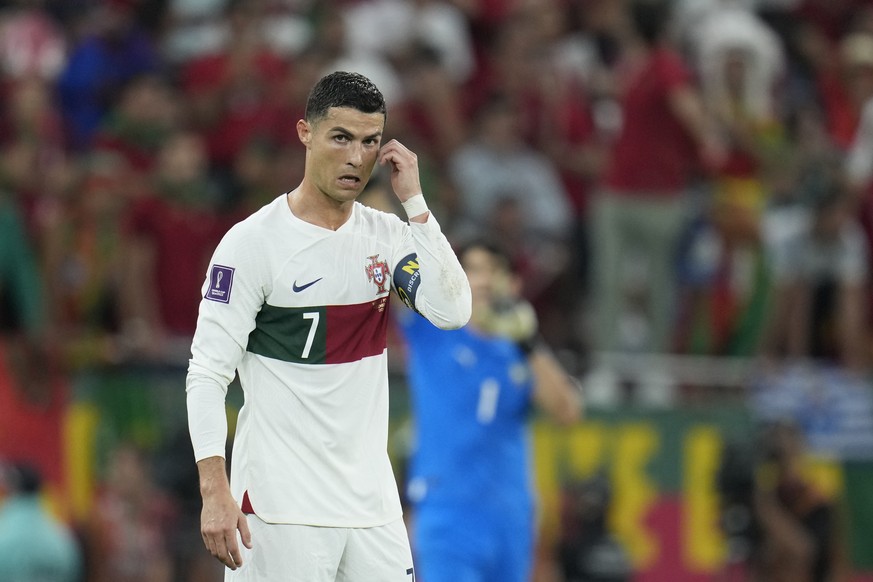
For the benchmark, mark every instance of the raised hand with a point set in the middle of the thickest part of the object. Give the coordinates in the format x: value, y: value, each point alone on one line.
x: 405, y: 180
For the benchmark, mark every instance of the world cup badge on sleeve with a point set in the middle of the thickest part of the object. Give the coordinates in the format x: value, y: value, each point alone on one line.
x: 220, y: 283
x: 377, y: 272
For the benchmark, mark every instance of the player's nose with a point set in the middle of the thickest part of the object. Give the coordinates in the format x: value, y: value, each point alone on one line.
x: 356, y: 155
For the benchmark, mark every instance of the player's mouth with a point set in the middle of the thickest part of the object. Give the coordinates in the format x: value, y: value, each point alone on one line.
x: 349, y: 180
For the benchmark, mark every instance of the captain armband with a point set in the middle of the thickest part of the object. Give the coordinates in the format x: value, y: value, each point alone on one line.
x: 407, y: 279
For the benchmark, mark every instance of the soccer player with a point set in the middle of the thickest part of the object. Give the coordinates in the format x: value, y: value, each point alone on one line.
x: 472, y: 394
x: 296, y: 300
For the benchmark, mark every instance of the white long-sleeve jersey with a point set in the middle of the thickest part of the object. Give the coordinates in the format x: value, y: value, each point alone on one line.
x: 301, y: 313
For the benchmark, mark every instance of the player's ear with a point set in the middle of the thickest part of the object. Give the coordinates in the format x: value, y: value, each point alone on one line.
x: 304, y: 132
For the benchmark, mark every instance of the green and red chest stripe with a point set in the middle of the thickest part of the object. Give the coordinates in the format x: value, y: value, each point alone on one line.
x: 327, y: 334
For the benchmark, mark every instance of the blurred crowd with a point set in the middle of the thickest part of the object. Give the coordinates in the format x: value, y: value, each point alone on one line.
x: 660, y: 176
x: 678, y: 177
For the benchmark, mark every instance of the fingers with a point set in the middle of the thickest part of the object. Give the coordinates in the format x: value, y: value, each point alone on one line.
x: 233, y: 553
x: 395, y: 152
x: 226, y: 553
x: 244, y: 531
x: 223, y: 544
x: 210, y: 544
x: 404, y: 169
x: 217, y: 546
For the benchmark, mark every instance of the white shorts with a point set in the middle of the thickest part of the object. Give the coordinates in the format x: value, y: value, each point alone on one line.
x: 302, y: 553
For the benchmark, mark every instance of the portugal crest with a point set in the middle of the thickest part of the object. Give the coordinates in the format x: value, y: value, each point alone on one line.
x: 377, y: 272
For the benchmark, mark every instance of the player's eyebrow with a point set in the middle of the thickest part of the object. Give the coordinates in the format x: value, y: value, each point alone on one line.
x: 347, y: 133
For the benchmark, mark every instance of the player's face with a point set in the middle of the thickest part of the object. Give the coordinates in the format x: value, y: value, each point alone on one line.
x: 483, y: 272
x: 342, y: 150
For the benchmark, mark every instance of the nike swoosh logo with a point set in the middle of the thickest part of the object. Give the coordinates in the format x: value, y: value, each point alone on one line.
x: 298, y: 289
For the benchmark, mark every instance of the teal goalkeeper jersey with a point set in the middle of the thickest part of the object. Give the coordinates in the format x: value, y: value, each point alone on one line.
x: 471, y: 398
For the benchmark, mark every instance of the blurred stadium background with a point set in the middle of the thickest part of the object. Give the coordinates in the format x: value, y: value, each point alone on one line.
x: 134, y: 132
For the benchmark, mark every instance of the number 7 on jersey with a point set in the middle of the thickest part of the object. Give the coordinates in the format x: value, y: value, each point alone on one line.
x: 314, y: 316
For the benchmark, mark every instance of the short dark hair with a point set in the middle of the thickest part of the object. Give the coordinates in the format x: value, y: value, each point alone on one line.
x: 489, y: 245
x: 343, y: 89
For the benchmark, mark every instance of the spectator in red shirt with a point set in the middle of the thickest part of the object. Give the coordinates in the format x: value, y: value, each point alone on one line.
x: 643, y: 205
x: 233, y: 93
x: 171, y: 236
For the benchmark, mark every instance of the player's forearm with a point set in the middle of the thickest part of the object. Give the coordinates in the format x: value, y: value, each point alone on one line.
x: 444, y: 296
x: 554, y: 392
x: 207, y: 419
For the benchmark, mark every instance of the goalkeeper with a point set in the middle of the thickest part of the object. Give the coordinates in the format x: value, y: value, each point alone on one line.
x: 472, y: 393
